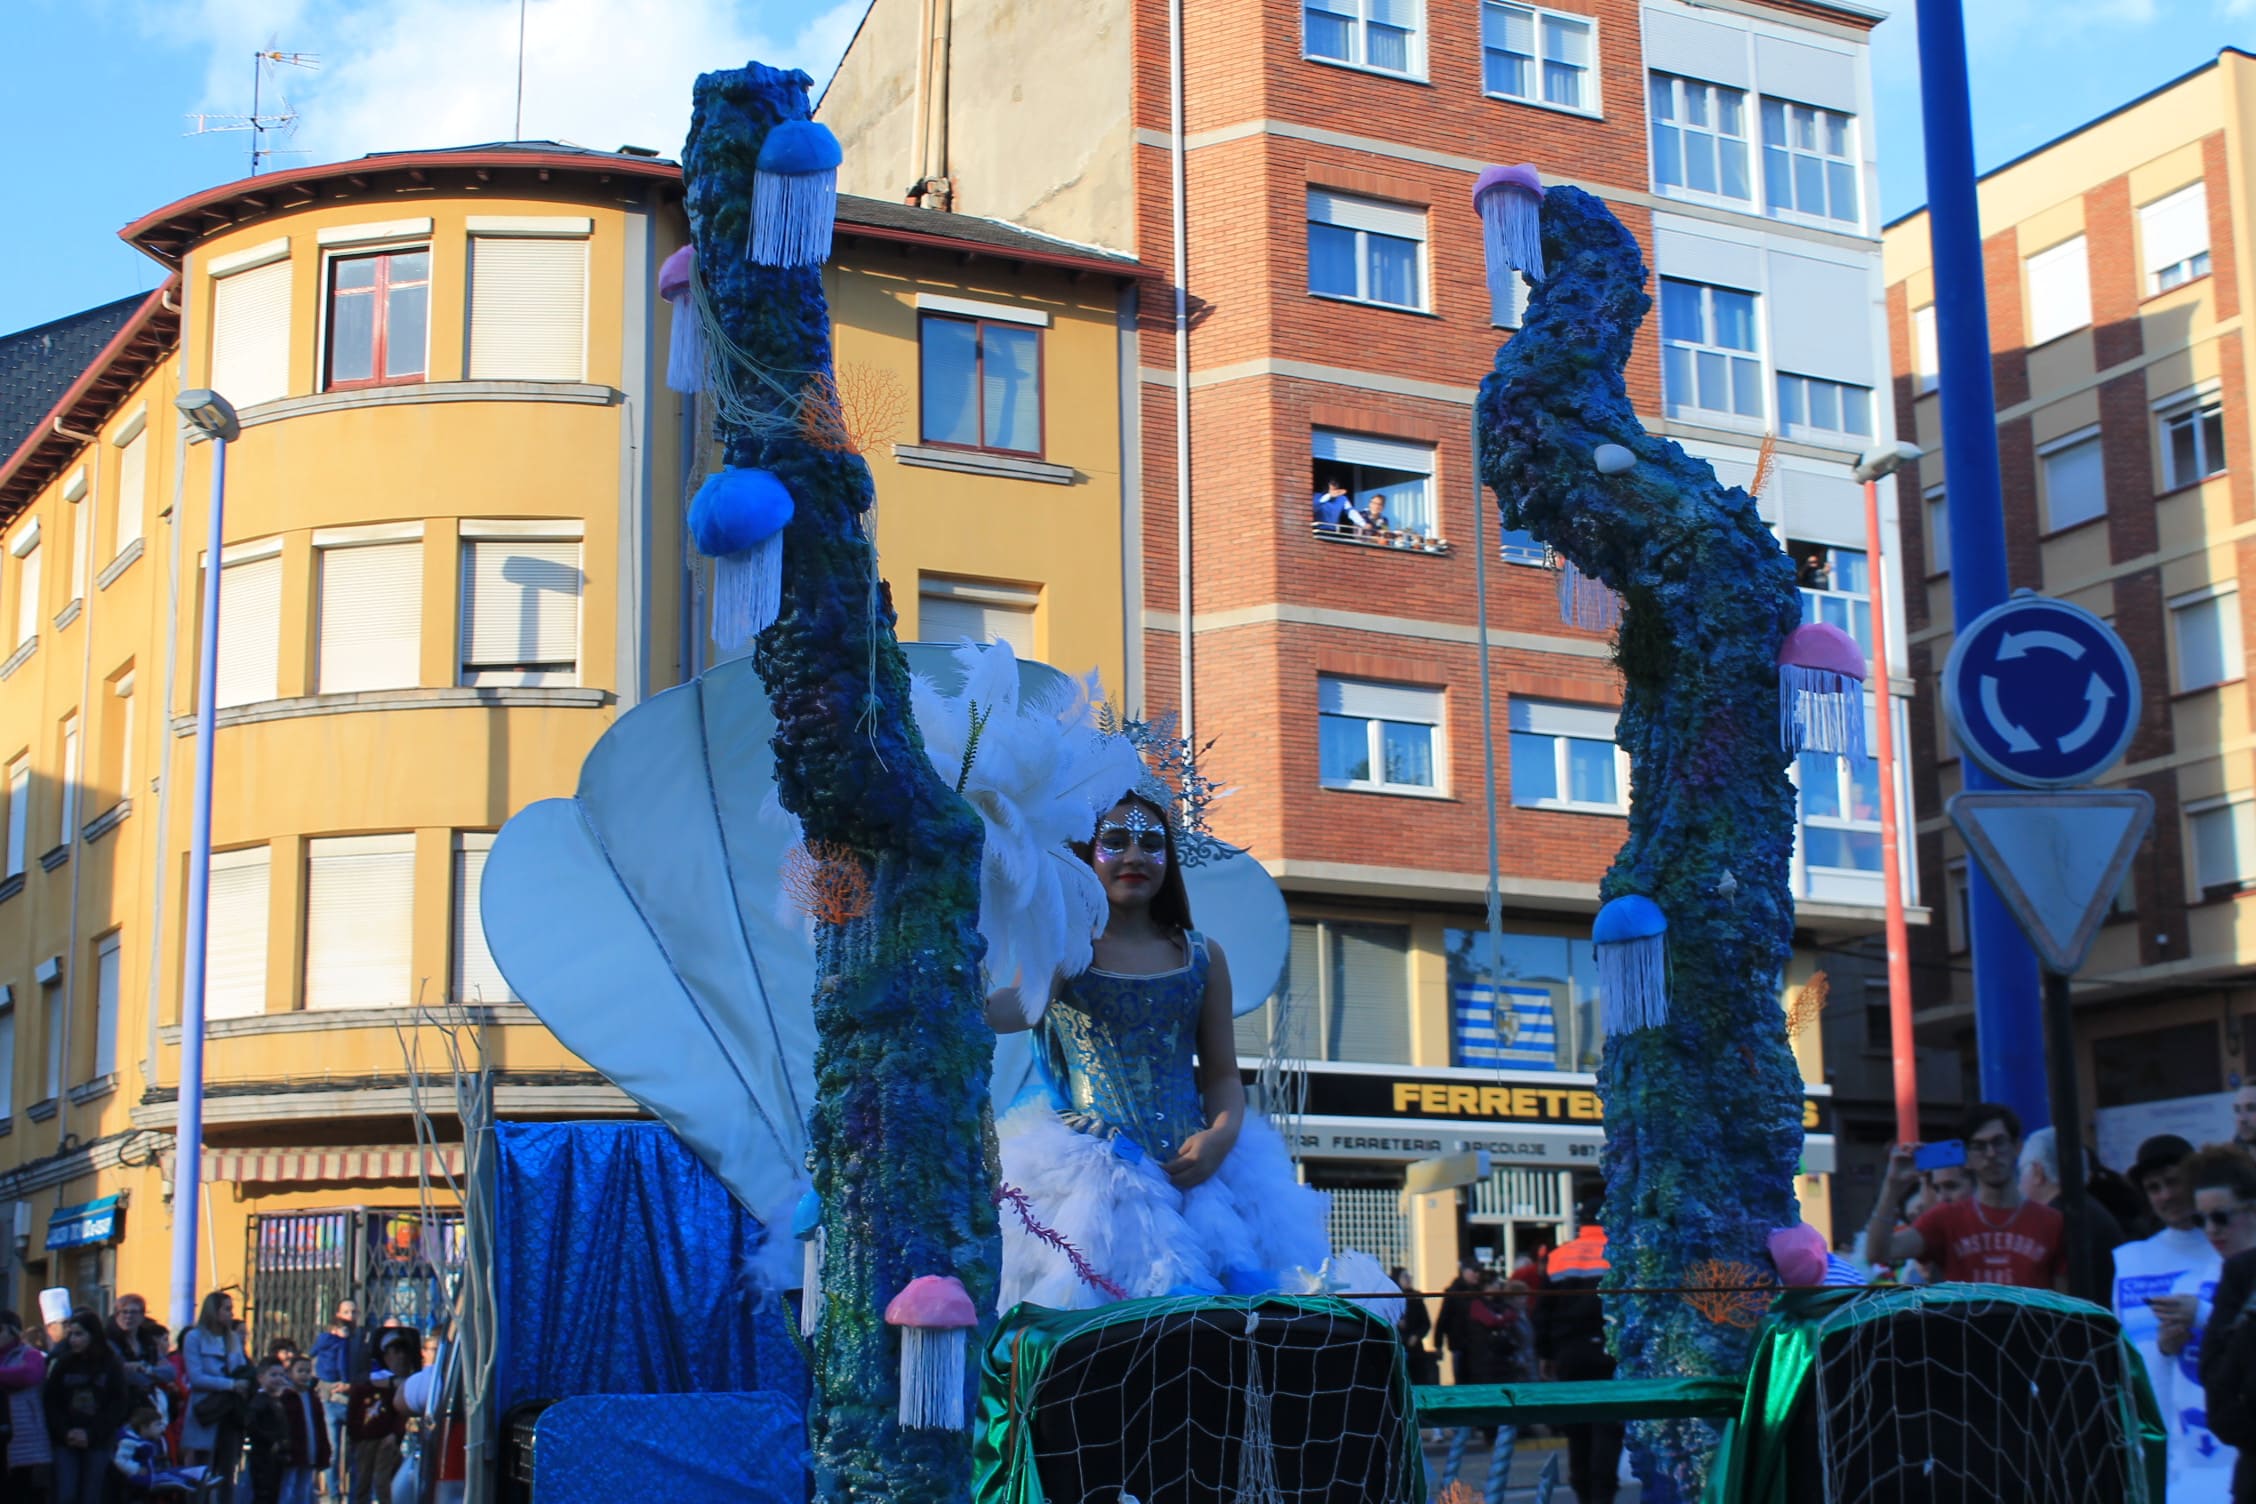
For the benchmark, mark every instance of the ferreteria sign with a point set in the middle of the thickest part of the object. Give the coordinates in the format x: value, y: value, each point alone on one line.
x: 1521, y: 1117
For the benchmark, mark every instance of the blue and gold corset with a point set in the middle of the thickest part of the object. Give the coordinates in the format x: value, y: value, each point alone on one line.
x: 1118, y: 1049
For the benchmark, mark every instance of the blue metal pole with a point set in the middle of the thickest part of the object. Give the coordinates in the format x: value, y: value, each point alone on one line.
x: 188, y: 1137
x: 2008, y: 1000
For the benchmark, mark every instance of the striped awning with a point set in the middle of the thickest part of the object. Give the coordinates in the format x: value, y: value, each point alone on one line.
x: 327, y: 1166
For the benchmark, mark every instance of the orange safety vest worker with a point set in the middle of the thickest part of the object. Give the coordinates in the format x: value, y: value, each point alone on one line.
x: 1581, y: 1257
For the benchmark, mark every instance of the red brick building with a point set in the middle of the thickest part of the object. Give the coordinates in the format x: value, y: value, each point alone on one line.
x: 1335, y: 323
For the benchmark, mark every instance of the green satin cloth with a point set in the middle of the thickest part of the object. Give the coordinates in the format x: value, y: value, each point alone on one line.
x: 1026, y: 1342
x: 1750, y: 1466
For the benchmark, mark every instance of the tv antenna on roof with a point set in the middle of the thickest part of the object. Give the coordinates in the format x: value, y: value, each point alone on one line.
x: 257, y: 122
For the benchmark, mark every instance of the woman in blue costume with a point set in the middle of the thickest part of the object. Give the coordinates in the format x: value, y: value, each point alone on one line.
x: 1142, y: 1158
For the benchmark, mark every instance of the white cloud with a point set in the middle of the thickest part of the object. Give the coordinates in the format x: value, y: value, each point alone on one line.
x: 401, y: 74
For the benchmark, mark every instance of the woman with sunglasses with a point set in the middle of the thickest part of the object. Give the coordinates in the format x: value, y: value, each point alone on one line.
x: 2223, y: 1180
x: 1142, y: 1171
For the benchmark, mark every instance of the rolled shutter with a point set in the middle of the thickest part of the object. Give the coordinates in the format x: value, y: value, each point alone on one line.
x: 250, y: 360
x: 236, y: 933
x: 27, y: 588
x: 2175, y: 228
x: 528, y: 309
x: 1348, y: 212
x: 1364, y: 449
x: 133, y: 482
x: 476, y: 978
x: 944, y: 619
x: 1372, y: 700
x: 371, y: 617
x: 360, y: 902
x: 1370, y: 1002
x: 250, y: 631
x: 521, y: 609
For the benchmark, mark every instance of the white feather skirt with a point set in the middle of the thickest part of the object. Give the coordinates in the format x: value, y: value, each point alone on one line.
x: 1121, y: 1214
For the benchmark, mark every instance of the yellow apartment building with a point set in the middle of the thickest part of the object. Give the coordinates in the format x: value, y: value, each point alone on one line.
x: 453, y: 556
x: 2118, y: 299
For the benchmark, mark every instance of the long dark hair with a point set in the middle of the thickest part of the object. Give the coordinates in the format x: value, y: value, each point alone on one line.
x: 1171, y: 904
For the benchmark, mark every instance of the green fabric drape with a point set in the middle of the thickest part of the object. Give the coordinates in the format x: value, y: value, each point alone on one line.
x: 1017, y: 1359
x: 1750, y: 1466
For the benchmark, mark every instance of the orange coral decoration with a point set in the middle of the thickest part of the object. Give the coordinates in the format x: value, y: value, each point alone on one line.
x: 853, y: 412
x: 1808, y: 1003
x: 1728, y: 1293
x: 1766, y: 464
x: 827, y: 882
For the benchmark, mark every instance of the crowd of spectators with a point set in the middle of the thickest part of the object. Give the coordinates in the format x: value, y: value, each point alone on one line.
x: 110, y: 1411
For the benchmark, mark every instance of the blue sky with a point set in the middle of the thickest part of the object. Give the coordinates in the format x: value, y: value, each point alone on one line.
x: 99, y: 92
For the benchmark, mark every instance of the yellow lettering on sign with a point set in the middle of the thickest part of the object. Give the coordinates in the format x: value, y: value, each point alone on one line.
x: 1524, y: 1102
x: 1406, y: 1094
x: 1496, y: 1102
x: 1464, y: 1101
x: 1554, y: 1102
x: 1809, y: 1113
x: 1584, y: 1105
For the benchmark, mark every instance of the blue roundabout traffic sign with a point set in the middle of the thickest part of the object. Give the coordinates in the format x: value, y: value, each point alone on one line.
x: 2041, y: 693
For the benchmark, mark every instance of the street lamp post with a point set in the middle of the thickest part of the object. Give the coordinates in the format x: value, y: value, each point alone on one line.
x: 1874, y: 464
x: 210, y: 414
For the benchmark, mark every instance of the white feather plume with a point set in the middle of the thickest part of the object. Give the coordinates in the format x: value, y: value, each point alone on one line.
x: 1039, y: 774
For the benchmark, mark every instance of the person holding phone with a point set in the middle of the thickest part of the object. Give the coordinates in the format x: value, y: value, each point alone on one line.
x: 1994, y: 1237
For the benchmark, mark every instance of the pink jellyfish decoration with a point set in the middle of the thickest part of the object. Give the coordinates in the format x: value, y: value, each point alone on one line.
x: 1799, y: 1253
x: 935, y: 1315
x: 685, y: 353
x: 1510, y: 202
x: 1821, y: 692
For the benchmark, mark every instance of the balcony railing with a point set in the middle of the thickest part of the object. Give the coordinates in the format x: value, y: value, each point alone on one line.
x: 1355, y: 537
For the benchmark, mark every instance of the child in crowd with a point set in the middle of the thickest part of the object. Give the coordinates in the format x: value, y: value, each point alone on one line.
x: 306, y: 1454
x: 144, y: 1467
x: 268, y: 1430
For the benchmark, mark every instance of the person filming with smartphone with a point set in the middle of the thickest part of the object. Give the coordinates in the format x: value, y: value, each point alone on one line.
x: 1994, y: 1237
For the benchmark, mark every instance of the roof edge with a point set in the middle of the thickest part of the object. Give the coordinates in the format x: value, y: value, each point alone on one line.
x: 132, y: 330
x: 2074, y: 131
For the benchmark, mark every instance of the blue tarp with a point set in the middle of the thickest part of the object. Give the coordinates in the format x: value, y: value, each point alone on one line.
x: 618, y: 1258
x: 682, y: 1448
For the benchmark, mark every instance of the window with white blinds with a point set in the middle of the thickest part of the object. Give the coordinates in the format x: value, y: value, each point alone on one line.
x: 19, y: 813
x: 2174, y: 236
x: 72, y: 773
x: 133, y: 483
x: 476, y: 978
x: 25, y: 547
x: 236, y: 933
x: 360, y: 921
x: 250, y: 360
x: 371, y: 617
x: 109, y: 959
x: 250, y: 631
x: 521, y: 611
x: 2059, y: 290
x: 528, y: 309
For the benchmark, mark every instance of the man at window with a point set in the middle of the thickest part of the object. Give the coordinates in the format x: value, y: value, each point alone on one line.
x: 1335, y: 509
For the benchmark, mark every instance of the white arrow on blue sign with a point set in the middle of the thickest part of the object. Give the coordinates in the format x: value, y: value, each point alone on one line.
x: 2040, y: 692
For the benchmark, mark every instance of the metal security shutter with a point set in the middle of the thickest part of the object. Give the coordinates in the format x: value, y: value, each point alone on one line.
x: 108, y: 958
x: 360, y: 921
x: 1369, y: 1218
x: 371, y: 618
x: 236, y: 929
x: 1351, y: 213
x: 1289, y: 1017
x: 133, y: 482
x: 520, y: 611
x: 528, y: 309
x: 1368, y: 1013
x: 944, y: 619
x: 476, y: 978
x: 250, y: 360
x: 250, y: 631
x: 1363, y: 449
x: 1559, y: 718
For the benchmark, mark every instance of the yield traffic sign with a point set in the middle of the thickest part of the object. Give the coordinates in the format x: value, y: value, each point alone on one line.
x: 2057, y: 858
x: 2041, y: 693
